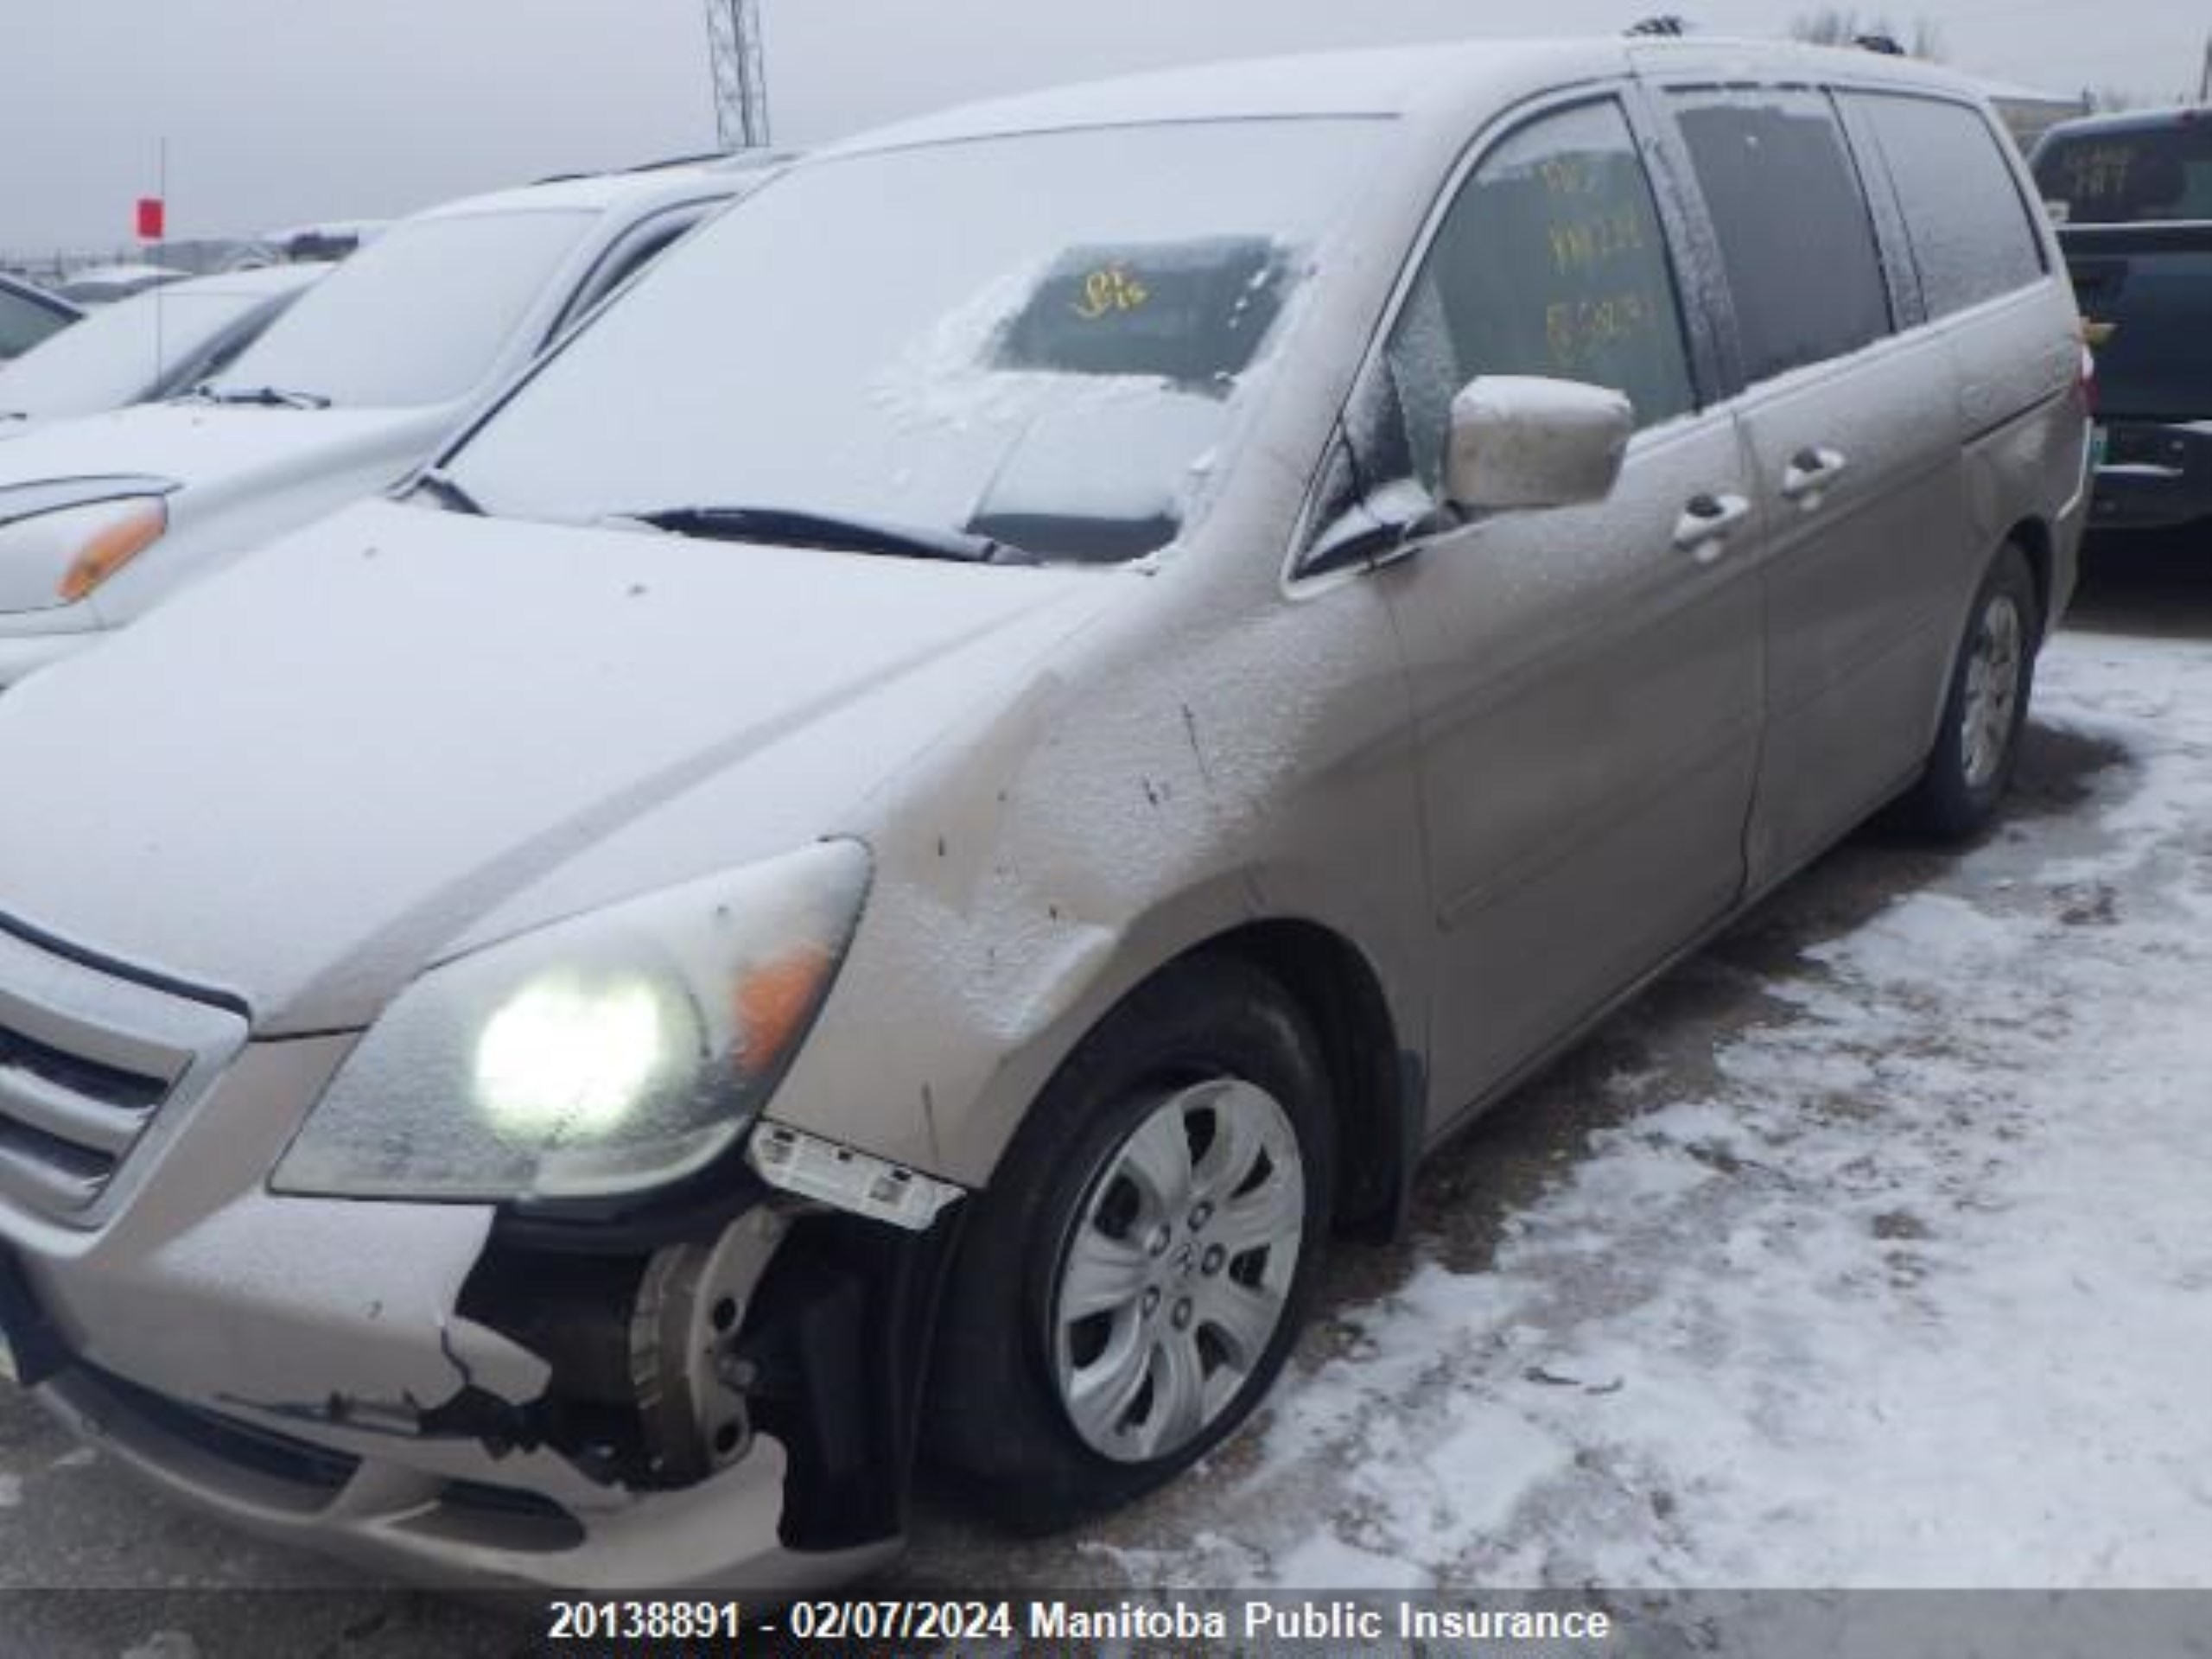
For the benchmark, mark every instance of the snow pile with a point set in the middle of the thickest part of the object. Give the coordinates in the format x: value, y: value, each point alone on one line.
x: 1912, y: 1288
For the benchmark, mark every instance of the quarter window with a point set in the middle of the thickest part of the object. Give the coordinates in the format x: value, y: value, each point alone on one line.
x: 1795, y: 234
x: 1971, y: 234
x: 1552, y: 262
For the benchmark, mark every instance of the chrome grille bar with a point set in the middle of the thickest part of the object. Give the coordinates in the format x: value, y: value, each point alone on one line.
x: 87, y: 1061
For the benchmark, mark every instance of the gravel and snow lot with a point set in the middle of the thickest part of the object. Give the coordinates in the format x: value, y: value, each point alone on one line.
x: 1904, y: 1278
x: 1874, y: 1246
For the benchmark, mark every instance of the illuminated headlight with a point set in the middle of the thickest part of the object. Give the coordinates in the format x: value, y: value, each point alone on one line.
x: 610, y: 1054
x: 64, y: 554
x: 568, y: 1059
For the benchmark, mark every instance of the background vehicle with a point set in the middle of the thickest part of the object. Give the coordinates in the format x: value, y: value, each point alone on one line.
x: 2132, y: 196
x: 102, y: 519
x: 29, y: 315
x: 105, y: 284
x: 878, y: 854
x: 143, y: 349
x: 337, y: 239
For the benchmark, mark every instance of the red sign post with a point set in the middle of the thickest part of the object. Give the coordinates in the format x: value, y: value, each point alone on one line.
x: 153, y: 219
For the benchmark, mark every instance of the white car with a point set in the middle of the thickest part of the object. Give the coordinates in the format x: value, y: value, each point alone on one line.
x: 105, y: 517
x: 143, y: 349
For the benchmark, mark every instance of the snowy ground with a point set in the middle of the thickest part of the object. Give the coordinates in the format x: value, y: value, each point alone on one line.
x: 1906, y: 1282
x: 1876, y: 1250
x: 1873, y: 1248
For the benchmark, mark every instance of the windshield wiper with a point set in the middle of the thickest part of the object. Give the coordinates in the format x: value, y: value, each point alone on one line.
x: 793, y: 527
x: 447, y: 493
x: 257, y: 396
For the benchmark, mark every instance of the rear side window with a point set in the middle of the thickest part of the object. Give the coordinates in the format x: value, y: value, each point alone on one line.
x: 1551, y: 261
x: 1796, y: 236
x: 1971, y: 234
x: 2149, y: 175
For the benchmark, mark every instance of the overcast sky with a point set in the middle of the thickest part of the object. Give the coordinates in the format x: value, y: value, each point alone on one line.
x: 280, y: 111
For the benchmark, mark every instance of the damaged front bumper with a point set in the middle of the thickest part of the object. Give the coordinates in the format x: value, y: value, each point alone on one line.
x: 719, y: 1399
x: 447, y: 1514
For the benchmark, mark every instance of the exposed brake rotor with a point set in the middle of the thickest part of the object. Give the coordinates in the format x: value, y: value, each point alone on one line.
x: 685, y: 1372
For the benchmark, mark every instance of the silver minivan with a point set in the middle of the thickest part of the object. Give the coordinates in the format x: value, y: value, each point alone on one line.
x: 872, y: 865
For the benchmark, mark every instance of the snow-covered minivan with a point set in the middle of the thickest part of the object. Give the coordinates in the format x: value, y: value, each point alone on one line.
x: 104, y: 517
x: 875, y: 863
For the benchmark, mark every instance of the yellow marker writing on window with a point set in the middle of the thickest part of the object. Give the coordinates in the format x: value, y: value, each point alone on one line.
x: 1108, y: 292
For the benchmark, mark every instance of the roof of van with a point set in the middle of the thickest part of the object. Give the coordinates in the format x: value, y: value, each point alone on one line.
x: 596, y: 193
x: 1387, y: 81
x: 2136, y: 121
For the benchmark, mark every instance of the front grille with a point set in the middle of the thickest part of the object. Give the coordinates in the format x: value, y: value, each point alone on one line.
x: 66, y: 1123
x: 87, y: 1062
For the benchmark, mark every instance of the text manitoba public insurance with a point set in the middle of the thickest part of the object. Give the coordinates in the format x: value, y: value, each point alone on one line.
x: 1323, y: 1622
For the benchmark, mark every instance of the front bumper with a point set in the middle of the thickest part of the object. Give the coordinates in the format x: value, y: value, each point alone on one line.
x: 23, y: 654
x: 451, y: 1514
x: 2153, y: 476
x: 305, y: 1368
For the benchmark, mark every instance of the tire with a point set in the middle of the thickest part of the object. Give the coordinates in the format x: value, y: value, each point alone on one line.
x: 1992, y: 680
x: 1048, y: 1413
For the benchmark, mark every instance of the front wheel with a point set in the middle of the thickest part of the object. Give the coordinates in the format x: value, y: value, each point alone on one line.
x: 1135, y: 1275
x: 1992, y: 679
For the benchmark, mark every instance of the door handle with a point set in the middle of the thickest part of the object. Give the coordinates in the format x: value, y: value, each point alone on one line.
x: 1813, y: 473
x: 1708, y: 523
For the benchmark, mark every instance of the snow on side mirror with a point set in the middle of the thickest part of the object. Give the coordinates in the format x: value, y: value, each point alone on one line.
x: 1522, y: 442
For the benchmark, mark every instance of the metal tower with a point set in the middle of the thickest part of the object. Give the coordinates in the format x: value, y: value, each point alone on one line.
x: 740, y: 73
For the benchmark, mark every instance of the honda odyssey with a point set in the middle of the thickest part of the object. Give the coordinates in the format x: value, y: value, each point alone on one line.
x: 875, y: 862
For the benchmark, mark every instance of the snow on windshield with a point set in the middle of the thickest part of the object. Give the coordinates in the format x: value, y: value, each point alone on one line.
x: 118, y: 355
x: 1043, y: 339
x: 416, y: 317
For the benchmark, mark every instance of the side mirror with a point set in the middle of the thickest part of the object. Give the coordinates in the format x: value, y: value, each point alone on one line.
x: 1520, y: 441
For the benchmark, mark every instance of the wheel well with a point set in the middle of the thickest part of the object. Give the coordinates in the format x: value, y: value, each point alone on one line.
x: 1375, y: 1103
x: 2032, y: 537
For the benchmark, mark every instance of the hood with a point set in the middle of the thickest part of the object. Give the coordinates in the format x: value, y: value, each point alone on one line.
x: 198, y: 445
x: 300, y: 783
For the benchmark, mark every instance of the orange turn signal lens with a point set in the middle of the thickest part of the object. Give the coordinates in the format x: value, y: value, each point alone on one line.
x: 114, y: 545
x: 775, y: 1001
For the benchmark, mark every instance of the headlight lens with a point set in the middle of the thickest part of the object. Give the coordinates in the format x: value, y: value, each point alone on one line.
x: 603, y: 1056
x: 567, y: 1057
x: 60, y: 558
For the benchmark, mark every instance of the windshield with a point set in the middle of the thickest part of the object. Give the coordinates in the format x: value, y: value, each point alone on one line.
x: 418, y: 317
x: 1039, y: 339
x: 2149, y: 176
x: 120, y: 354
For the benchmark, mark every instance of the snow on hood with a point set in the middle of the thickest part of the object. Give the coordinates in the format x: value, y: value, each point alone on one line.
x: 199, y: 444
x: 301, y: 781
